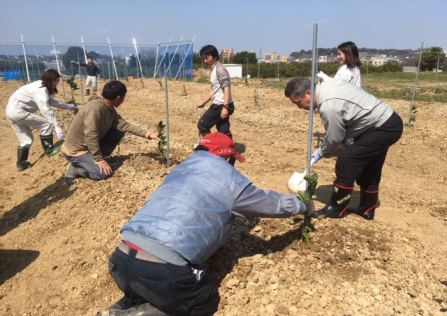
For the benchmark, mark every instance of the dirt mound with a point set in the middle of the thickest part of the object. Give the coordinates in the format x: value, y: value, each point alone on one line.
x: 55, y: 241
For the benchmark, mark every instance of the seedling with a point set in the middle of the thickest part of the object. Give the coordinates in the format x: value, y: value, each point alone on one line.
x: 162, y: 143
x: 73, y: 86
x: 184, y: 89
x: 312, y: 181
x: 414, y: 111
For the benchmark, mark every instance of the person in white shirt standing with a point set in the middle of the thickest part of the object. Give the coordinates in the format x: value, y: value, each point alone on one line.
x: 20, y: 113
x: 220, y: 94
x: 348, y: 57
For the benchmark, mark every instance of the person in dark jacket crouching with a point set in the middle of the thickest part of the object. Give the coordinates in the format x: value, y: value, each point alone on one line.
x: 159, y: 263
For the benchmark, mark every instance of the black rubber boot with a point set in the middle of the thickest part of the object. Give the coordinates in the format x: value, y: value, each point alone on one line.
x: 47, y: 144
x: 145, y: 309
x: 22, y: 157
x: 87, y: 91
x: 369, y: 198
x: 337, y: 205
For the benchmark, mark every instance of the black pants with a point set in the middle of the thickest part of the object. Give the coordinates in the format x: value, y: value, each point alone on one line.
x: 175, y: 290
x: 212, y: 117
x: 110, y: 140
x: 363, y: 161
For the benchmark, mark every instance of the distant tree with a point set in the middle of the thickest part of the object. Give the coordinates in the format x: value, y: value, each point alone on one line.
x: 72, y: 54
x: 429, y: 59
x: 132, y: 60
x: 93, y: 55
x: 196, y: 58
x: 242, y: 57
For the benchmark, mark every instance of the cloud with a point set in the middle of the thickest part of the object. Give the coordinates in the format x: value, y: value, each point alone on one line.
x: 52, y: 52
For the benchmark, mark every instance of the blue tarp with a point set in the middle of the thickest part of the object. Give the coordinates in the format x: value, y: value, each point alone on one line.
x: 12, y: 75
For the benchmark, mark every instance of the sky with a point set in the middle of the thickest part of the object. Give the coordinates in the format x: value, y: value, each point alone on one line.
x: 281, y: 26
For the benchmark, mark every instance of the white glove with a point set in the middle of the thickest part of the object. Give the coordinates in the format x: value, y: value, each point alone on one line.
x: 73, y: 62
x: 60, y: 134
x: 321, y: 75
x: 317, y: 155
x: 296, y: 182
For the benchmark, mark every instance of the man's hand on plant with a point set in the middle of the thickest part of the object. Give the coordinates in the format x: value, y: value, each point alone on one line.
x: 310, y: 207
x: 153, y: 136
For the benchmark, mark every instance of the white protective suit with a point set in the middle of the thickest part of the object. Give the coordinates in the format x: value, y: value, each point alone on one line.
x: 23, y: 105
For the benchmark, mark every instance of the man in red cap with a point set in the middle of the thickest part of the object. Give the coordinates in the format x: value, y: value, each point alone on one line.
x: 159, y: 263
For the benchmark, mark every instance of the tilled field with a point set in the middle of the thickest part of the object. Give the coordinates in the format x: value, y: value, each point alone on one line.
x: 55, y: 241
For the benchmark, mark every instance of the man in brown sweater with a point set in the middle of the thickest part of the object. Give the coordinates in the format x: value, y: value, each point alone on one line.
x: 95, y: 132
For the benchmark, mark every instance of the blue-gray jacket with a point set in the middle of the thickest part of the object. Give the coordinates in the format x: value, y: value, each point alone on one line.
x: 191, y: 214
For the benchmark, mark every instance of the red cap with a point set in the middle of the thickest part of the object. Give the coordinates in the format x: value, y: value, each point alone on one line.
x: 220, y: 145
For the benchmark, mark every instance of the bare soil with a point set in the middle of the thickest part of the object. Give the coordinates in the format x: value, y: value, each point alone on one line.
x: 56, y: 241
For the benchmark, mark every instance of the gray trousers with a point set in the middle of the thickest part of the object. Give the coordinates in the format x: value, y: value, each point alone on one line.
x: 87, y: 163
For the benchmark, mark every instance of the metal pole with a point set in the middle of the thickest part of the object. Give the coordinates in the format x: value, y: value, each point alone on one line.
x: 173, y: 56
x: 185, y: 57
x: 26, y: 61
x: 161, y: 60
x: 367, y: 74
x: 85, y: 57
x: 278, y: 70
x: 436, y: 80
x: 85, y: 53
x: 156, y: 59
x: 58, y: 68
x: 312, y: 93
x: 38, y: 68
x: 108, y: 66
x: 415, y: 83
x: 167, y: 115
x: 138, y: 58
x: 80, y: 79
x: 113, y: 60
x: 259, y: 68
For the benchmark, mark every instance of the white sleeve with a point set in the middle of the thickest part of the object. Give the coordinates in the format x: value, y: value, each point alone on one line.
x: 344, y: 73
x: 57, y: 104
x: 42, y: 99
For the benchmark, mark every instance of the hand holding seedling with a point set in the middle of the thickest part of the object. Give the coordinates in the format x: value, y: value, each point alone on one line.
x: 306, y: 197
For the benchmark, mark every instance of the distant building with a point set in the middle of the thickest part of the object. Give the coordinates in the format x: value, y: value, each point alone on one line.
x: 322, y: 59
x: 227, y: 54
x: 365, y: 58
x: 284, y: 59
x: 270, y: 57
